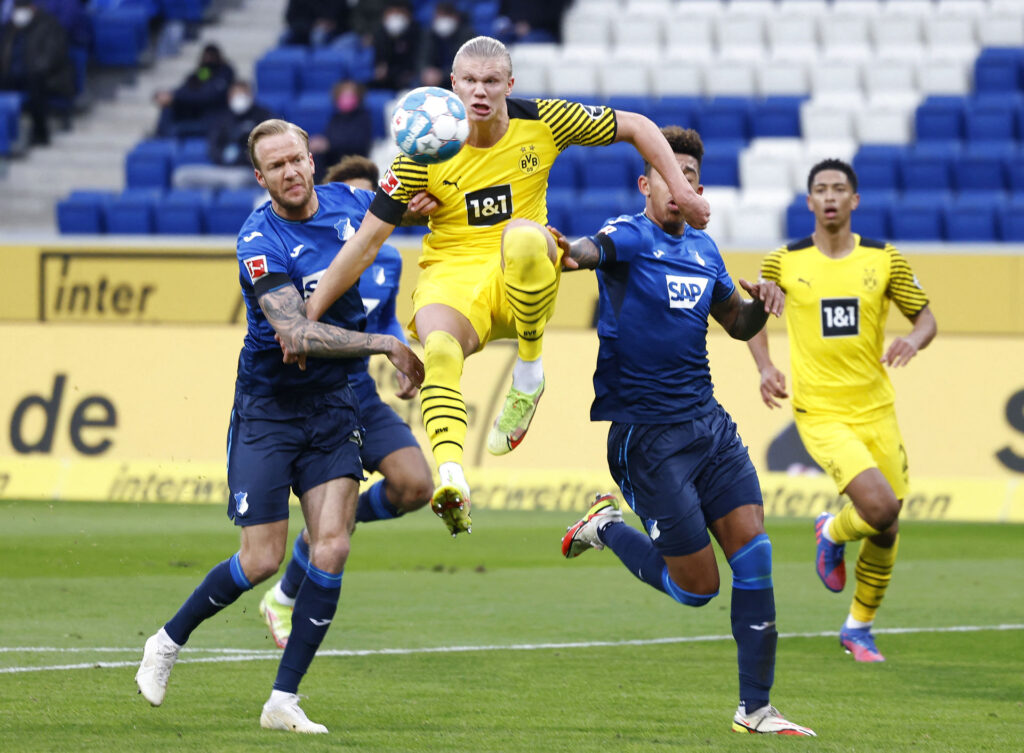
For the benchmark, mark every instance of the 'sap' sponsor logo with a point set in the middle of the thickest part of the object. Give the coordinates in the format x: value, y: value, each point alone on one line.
x: 684, y: 292
x: 256, y: 266
x: 309, y: 283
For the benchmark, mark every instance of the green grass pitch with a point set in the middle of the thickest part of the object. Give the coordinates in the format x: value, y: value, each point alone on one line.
x: 493, y: 642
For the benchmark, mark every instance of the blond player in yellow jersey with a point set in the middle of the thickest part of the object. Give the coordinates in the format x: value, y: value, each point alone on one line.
x: 490, y: 269
x: 838, y: 287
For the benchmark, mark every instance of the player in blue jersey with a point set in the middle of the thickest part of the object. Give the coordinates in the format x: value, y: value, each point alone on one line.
x: 388, y: 444
x: 290, y: 429
x: 672, y: 449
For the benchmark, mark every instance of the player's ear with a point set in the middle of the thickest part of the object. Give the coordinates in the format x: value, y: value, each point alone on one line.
x: 508, y: 89
x: 259, y: 178
x: 855, y: 201
x: 644, y: 184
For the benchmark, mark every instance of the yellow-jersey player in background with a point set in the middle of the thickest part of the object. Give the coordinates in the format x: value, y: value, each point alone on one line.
x: 838, y: 287
x: 490, y: 269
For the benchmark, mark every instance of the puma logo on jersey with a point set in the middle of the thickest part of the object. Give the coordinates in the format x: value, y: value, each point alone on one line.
x: 805, y: 282
x: 684, y: 292
x: 452, y: 183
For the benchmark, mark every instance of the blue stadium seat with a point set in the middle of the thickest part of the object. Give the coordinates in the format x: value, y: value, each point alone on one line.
x: 919, y: 216
x: 227, y: 211
x: 776, y: 116
x: 614, y: 167
x: 940, y: 118
x: 191, y: 152
x: 82, y: 212
x: 799, y: 219
x: 565, y: 172
x: 10, y: 118
x: 878, y: 167
x: 378, y: 103
x: 120, y: 34
x: 1015, y: 170
x: 1011, y: 219
x: 326, y: 67
x: 724, y: 118
x: 594, y: 207
x: 680, y: 111
x: 972, y: 217
x: 132, y: 211
x: 632, y: 103
x: 561, y: 205
x: 982, y: 166
x: 180, y: 212
x: 992, y: 117
x: 721, y: 165
x: 149, y: 164
x: 311, y: 111
x: 184, y: 10
x: 927, y: 166
x: 999, y: 69
x: 871, y: 218
x: 277, y: 72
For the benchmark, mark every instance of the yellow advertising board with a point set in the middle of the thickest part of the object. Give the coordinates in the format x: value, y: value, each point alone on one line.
x: 114, y: 412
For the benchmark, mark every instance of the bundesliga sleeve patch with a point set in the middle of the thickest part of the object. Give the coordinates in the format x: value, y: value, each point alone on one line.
x: 390, y: 183
x: 256, y: 266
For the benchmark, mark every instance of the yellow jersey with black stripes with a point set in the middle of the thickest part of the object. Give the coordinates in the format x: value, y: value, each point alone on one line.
x: 480, y: 190
x: 836, y: 310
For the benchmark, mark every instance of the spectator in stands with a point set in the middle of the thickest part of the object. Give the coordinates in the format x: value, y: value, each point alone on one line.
x: 439, y: 42
x: 315, y: 22
x: 348, y: 132
x: 190, y: 109
x: 394, y: 47
x: 228, y: 139
x: 34, y: 60
x: 531, y: 20
x: 74, y: 17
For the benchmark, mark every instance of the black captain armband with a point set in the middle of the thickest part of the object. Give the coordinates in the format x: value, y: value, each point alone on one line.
x: 270, y: 282
x: 387, y: 209
x: 607, y: 246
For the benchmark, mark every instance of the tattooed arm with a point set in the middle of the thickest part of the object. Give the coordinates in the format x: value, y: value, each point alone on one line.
x: 301, y: 337
x: 744, y: 319
x: 580, y: 254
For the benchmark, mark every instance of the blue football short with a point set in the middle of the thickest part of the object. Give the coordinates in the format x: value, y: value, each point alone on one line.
x: 294, y: 442
x: 680, y: 477
x: 385, y: 432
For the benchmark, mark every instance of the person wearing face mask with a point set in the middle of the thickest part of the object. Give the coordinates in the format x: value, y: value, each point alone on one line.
x: 189, y: 110
x: 34, y: 60
x: 395, y: 47
x: 228, y: 144
x: 350, y: 129
x: 439, y: 42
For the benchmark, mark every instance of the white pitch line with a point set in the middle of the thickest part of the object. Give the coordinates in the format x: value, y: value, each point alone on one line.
x: 233, y: 655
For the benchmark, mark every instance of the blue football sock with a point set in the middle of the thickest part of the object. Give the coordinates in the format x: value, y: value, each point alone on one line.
x: 374, y: 505
x: 315, y: 606
x: 221, y: 587
x: 636, y: 552
x: 295, y: 573
x: 753, y: 621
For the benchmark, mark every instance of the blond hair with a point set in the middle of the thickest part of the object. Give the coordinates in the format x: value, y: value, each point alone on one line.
x: 273, y: 127
x: 486, y: 48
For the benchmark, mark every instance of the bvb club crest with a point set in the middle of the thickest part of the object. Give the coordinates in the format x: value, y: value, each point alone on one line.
x: 528, y: 159
x: 870, y: 279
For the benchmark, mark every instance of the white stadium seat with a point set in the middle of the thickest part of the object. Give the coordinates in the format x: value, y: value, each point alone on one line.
x: 636, y: 32
x: 618, y: 76
x: 891, y: 34
x: 1001, y: 30
x: 841, y: 76
x: 825, y: 121
x: 765, y: 171
x: 531, y: 78
x: 740, y: 36
x: 680, y: 77
x: 782, y: 78
x: 730, y: 78
x: 884, y: 124
x: 843, y: 30
x: 888, y: 75
x: 580, y: 29
x: 568, y: 77
x: 949, y: 76
x: 791, y: 29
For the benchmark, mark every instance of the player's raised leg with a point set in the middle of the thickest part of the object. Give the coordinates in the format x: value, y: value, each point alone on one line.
x: 447, y: 337
x: 530, y: 256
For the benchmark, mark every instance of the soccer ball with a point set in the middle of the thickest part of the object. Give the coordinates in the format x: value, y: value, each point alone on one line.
x: 429, y: 125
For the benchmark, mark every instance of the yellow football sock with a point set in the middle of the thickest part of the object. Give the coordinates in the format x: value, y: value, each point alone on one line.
x: 444, y: 410
x: 874, y: 571
x: 531, y: 286
x: 848, y: 525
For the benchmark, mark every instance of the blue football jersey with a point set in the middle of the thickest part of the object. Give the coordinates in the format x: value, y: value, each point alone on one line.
x: 656, y: 292
x: 268, y: 244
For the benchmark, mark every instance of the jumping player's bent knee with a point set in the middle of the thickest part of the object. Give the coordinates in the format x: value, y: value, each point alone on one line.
x: 443, y: 350
x: 681, y: 595
x: 526, y: 254
x: 752, y: 564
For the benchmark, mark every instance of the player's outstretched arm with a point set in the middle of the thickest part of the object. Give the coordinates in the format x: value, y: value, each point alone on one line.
x: 744, y: 319
x: 578, y: 254
x: 643, y: 134
x: 902, y: 349
x: 354, y: 257
x: 300, y: 337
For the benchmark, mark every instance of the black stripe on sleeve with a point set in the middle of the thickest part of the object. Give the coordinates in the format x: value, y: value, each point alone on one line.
x: 607, y: 246
x: 270, y: 282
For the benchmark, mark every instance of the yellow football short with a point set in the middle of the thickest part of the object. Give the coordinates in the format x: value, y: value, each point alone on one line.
x: 475, y: 288
x: 846, y: 449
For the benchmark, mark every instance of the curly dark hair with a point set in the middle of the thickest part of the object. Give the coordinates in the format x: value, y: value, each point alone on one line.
x: 833, y: 164
x: 683, y: 141
x: 352, y: 166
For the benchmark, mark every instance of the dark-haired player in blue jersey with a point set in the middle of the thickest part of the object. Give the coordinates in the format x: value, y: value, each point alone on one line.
x: 290, y: 429
x: 388, y: 444
x: 672, y: 449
